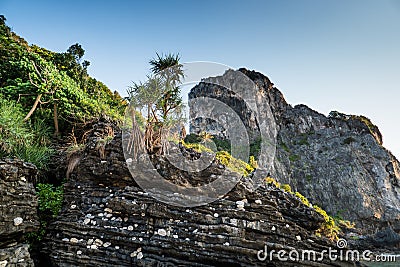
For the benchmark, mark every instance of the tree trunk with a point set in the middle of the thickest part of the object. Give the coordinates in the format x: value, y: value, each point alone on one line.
x: 55, y: 117
x: 33, y: 107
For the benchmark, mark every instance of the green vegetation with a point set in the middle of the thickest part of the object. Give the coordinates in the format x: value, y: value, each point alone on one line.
x: 331, y: 227
x: 50, y: 198
x: 285, y: 147
x: 234, y: 164
x: 294, y: 157
x: 50, y: 203
x: 160, y: 101
x: 44, y: 92
x: 373, y: 129
x: 28, y: 141
x: 286, y: 188
x: 226, y: 159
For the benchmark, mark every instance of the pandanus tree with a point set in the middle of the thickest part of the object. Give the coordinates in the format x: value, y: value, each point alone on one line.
x: 159, y: 99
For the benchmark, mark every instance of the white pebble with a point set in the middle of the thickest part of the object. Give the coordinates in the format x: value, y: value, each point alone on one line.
x: 86, y: 221
x: 273, y: 228
x: 73, y: 206
x: 79, y: 252
x: 139, y: 255
x: 298, y: 237
x: 130, y: 228
x: 258, y: 201
x: 162, y: 232
x: 216, y: 215
x: 18, y: 221
x: 74, y: 240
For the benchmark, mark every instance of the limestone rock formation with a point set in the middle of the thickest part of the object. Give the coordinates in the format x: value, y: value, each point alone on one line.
x: 337, y: 162
x: 18, y: 211
x: 107, y: 220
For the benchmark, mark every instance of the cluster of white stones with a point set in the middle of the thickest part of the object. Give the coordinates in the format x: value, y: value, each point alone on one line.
x: 240, y: 204
x: 138, y: 254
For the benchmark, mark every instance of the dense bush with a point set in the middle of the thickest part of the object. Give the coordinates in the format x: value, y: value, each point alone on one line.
x: 53, y: 87
x: 27, y: 141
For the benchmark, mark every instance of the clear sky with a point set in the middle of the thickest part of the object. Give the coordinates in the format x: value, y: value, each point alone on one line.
x: 331, y: 55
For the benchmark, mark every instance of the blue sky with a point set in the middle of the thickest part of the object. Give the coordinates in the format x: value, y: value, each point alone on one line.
x: 331, y: 55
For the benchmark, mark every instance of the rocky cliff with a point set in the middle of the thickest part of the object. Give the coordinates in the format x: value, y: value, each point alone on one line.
x: 18, y: 213
x: 107, y: 220
x: 338, y: 162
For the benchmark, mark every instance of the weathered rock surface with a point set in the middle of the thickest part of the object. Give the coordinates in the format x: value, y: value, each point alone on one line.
x: 18, y: 211
x: 107, y: 220
x: 338, y: 162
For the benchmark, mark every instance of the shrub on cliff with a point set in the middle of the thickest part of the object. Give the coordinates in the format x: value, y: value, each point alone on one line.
x: 27, y: 141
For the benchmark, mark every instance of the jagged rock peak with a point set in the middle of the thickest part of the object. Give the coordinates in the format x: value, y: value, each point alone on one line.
x: 334, y: 160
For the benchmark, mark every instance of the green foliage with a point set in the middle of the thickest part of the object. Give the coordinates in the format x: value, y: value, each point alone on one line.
x: 329, y: 227
x: 294, y: 157
x: 255, y: 148
x: 302, y: 198
x: 222, y: 144
x: 197, y: 147
x: 50, y: 198
x: 26, y: 72
x: 303, y: 142
x: 253, y: 162
x: 161, y: 104
x: 50, y: 203
x: 286, y: 188
x: 27, y: 141
x: 272, y: 181
x: 236, y: 165
x: 285, y: 147
x: 192, y: 138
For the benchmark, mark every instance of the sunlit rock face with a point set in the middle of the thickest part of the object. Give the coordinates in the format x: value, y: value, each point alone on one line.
x: 18, y: 211
x: 338, y: 162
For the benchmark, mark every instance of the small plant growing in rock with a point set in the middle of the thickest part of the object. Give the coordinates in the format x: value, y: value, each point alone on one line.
x: 329, y: 227
x: 302, y: 198
x: 50, y: 198
x: 234, y: 164
x: 272, y: 181
x: 286, y: 188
